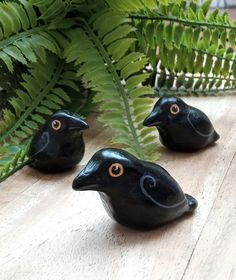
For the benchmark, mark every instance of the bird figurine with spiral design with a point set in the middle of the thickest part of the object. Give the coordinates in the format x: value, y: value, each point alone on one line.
x: 181, y: 126
x: 58, y: 145
x: 136, y: 193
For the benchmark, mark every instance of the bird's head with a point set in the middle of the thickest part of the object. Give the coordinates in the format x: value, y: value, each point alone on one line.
x: 109, y: 169
x: 65, y: 122
x: 166, y: 111
x: 118, y: 172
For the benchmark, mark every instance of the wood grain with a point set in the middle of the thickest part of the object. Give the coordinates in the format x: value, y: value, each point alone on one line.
x: 214, y: 255
x: 48, y: 231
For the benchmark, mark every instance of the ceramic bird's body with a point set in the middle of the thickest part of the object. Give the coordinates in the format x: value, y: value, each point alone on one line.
x: 135, y: 193
x: 59, y: 144
x: 181, y: 127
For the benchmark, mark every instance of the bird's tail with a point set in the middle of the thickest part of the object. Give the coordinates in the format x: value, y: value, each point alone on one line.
x: 216, y: 136
x: 192, y: 203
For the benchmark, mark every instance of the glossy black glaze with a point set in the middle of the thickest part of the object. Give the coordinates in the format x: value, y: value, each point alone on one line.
x: 143, y: 196
x: 58, y: 145
x: 188, y: 129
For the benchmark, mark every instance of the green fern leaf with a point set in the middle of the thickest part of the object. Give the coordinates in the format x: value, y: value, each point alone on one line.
x: 12, y: 159
x: 33, y: 98
x: 109, y: 70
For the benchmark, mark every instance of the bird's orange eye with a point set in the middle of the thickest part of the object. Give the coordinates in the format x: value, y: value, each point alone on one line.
x: 174, y: 109
x: 56, y: 124
x: 116, y: 170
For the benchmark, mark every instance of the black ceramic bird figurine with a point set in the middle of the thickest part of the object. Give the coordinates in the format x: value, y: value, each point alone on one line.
x: 136, y: 193
x: 58, y: 145
x: 181, y: 126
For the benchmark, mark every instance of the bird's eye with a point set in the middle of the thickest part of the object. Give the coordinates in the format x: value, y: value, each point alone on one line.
x: 56, y: 124
x: 174, y: 109
x: 116, y: 170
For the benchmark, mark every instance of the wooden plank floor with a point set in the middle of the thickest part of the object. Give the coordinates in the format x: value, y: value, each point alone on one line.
x: 48, y: 231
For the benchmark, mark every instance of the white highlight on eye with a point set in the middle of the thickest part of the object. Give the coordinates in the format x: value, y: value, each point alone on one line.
x: 198, y: 132
x: 143, y: 178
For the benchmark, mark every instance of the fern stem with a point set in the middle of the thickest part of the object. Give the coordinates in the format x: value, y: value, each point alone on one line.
x: 183, y: 21
x: 34, y: 104
x: 189, y: 91
x: 197, y: 77
x: 120, y: 87
x: 20, y: 36
x: 210, y: 54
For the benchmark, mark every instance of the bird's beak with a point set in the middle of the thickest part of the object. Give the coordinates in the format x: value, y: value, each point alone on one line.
x: 78, y: 124
x: 153, y: 119
x: 84, y: 182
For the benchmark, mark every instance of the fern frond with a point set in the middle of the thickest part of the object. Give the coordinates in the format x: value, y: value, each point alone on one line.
x: 13, y: 158
x: 110, y: 67
x: 195, y: 48
x: 42, y: 92
x: 23, y: 37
